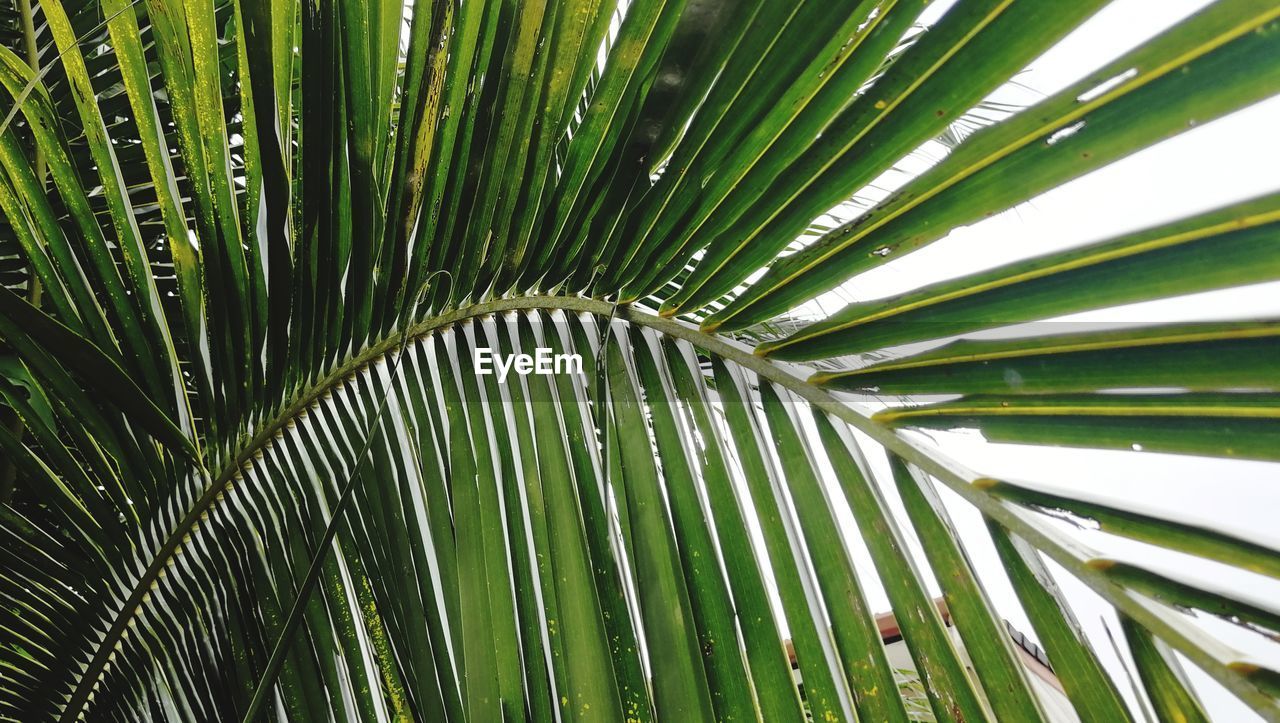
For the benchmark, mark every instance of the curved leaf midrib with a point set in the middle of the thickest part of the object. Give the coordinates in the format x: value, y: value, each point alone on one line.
x: 969, y: 485
x: 304, y: 400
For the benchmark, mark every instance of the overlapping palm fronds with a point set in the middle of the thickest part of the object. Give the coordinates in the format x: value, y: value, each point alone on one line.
x: 250, y: 470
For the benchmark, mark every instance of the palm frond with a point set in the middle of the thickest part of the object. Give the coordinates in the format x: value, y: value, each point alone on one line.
x: 255, y: 257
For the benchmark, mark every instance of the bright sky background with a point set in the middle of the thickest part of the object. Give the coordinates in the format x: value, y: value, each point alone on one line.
x: 1231, y: 159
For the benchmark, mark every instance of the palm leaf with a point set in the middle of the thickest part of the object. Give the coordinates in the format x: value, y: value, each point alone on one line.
x: 253, y: 254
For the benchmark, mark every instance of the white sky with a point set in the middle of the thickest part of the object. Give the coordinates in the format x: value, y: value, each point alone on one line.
x: 1231, y: 159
